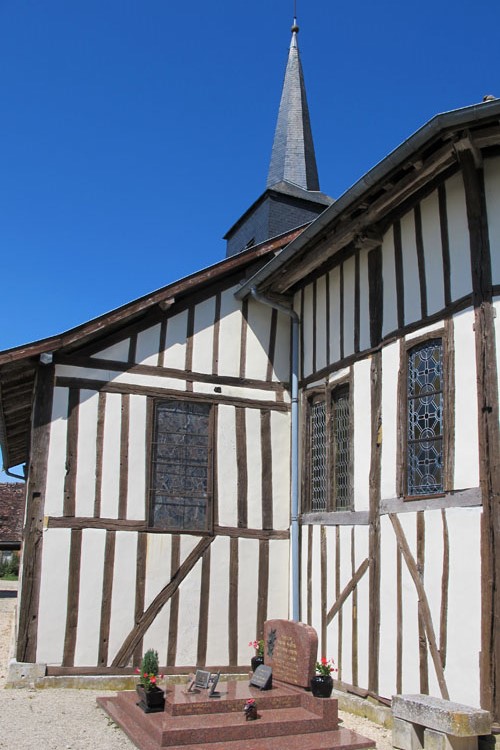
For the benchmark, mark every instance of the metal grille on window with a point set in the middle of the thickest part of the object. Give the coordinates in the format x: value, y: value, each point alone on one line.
x: 319, y: 488
x: 425, y: 419
x: 342, y: 457
x: 180, y: 469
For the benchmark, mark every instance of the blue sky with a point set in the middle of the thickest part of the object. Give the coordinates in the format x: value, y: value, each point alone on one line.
x: 133, y: 134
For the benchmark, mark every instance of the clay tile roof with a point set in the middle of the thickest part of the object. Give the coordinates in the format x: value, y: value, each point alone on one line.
x: 11, y: 512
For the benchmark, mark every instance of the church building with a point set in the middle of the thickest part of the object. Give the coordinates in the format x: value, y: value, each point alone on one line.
x: 319, y: 441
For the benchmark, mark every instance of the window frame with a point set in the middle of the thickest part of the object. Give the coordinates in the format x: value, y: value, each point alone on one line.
x: 153, y: 404
x: 326, y: 394
x: 445, y: 336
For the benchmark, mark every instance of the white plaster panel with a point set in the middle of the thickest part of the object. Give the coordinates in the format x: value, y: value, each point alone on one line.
x: 433, y: 253
x: 148, y: 346
x: 388, y: 611
x: 410, y: 269
x: 411, y: 658
x: 258, y: 338
x: 158, y: 575
x: 390, y: 316
x: 203, y: 339
x: 227, y: 474
x: 229, y: 334
x: 248, y: 592
x: 364, y: 300
x: 320, y: 332
x: 175, y: 343
x: 492, y: 189
x: 464, y: 605
x: 304, y: 547
x: 53, y: 596
x: 254, y: 463
x: 424, y: 331
x: 234, y: 391
x: 316, y: 580
x: 496, y: 305
x: 332, y: 631
x: 278, y: 594
x: 334, y: 377
x: 111, y: 456
x: 218, y: 607
x: 345, y: 577
x: 390, y: 370
x: 86, y: 451
x: 124, y: 582
x: 281, y: 370
x: 334, y: 281
x: 117, y: 352
x: 363, y: 604
x: 307, y: 331
x: 349, y: 285
x: 432, y: 581
x: 189, y: 607
x: 280, y: 449
x: 56, y: 462
x: 466, y: 418
x: 362, y: 434
x: 90, y: 597
x: 136, y: 483
x: 458, y: 235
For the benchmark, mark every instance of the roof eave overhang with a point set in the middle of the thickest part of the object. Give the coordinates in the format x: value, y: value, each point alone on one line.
x: 278, y: 267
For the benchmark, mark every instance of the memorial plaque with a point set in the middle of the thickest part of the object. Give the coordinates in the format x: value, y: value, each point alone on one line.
x: 290, y: 649
x: 214, y: 679
x: 201, y: 678
x: 262, y: 677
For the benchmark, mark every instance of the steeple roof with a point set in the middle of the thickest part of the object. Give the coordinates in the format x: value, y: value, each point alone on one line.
x: 293, y: 158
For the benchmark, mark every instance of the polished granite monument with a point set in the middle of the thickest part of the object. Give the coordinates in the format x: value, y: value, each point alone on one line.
x: 288, y: 715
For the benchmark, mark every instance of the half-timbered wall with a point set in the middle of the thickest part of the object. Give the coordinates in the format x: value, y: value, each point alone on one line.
x: 110, y: 584
x: 394, y: 588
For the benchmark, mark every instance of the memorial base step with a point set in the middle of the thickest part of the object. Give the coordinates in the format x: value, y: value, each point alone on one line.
x: 309, y: 723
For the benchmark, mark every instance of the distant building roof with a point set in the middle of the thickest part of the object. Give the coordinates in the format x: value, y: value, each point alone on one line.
x: 11, y: 515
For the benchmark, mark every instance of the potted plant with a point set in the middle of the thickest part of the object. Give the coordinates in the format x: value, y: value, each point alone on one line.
x: 259, y: 654
x: 322, y: 682
x: 152, y: 698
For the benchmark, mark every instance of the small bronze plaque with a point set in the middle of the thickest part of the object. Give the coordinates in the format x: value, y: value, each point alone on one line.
x: 262, y: 677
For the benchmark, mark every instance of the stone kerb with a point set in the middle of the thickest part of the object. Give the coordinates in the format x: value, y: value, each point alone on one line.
x: 290, y: 649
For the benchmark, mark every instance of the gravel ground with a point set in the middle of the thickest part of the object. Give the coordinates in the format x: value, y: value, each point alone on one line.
x: 70, y: 719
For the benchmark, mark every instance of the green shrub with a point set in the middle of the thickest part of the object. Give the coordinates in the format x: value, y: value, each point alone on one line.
x: 10, y: 568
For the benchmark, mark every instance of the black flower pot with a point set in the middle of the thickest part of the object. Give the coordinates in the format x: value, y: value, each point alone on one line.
x: 321, y: 686
x: 256, y: 661
x: 151, y: 701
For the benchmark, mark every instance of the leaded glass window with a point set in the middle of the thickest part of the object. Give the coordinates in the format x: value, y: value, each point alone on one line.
x: 425, y: 419
x: 342, y: 455
x: 330, y: 451
x: 180, y: 466
x: 319, y: 473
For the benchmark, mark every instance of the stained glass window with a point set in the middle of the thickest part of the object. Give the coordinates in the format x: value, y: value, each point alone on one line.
x: 342, y: 455
x: 425, y: 419
x: 180, y: 465
x: 319, y: 473
x: 330, y: 489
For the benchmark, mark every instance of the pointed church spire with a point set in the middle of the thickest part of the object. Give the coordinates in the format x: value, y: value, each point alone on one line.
x: 293, y: 159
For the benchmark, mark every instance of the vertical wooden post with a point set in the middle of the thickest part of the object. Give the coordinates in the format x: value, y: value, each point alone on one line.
x: 374, y: 535
x: 33, y: 527
x: 489, y: 433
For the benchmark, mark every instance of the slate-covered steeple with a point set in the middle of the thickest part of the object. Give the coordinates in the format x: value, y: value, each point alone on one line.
x: 292, y: 197
x: 293, y: 158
